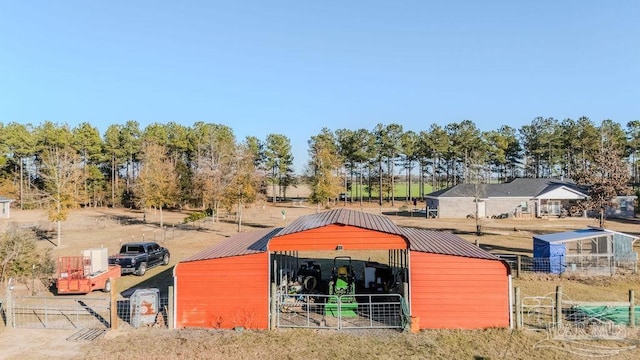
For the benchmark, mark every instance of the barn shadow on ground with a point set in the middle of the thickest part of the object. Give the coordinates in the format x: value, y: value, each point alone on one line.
x: 505, y: 249
x: 160, y: 281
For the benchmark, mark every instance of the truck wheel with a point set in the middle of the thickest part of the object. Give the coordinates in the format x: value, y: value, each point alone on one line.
x: 165, y: 259
x: 107, y: 286
x: 142, y: 269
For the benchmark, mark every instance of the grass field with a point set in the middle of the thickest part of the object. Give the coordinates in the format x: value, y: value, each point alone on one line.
x: 107, y: 227
x: 401, y: 190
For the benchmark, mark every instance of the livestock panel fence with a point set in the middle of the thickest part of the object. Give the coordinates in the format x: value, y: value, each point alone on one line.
x: 388, y: 311
x: 96, y: 311
x: 62, y: 312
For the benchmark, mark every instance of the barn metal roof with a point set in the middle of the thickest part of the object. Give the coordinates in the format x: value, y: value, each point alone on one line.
x: 240, y: 244
x: 440, y: 242
x: 342, y: 216
x: 430, y: 241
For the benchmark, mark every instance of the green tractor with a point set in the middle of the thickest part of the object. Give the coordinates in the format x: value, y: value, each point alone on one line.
x: 342, y: 290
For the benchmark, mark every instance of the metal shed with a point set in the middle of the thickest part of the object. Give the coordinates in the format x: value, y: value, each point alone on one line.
x: 5, y: 207
x: 592, y: 250
x: 437, y: 279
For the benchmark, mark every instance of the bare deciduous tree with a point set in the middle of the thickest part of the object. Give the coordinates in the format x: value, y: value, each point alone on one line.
x: 606, y: 178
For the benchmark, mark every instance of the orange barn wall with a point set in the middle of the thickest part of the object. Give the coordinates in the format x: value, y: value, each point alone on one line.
x: 457, y: 292
x: 330, y: 236
x: 223, y: 293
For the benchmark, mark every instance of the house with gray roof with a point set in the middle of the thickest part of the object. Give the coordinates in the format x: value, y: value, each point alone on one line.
x: 5, y: 206
x: 522, y: 197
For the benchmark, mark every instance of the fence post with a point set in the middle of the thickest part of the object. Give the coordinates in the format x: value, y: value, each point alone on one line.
x: 518, y: 309
x: 114, y: 305
x: 170, y: 306
x: 518, y: 266
x: 558, y: 307
x: 9, y: 305
x: 632, y: 309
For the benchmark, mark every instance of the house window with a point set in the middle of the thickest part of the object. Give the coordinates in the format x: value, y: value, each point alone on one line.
x: 623, y: 204
x: 524, y: 206
x: 553, y: 207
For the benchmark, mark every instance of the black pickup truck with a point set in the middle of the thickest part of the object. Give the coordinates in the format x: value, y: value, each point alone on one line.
x: 137, y: 257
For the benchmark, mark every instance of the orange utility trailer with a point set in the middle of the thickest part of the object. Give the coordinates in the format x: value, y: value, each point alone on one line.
x: 85, y: 273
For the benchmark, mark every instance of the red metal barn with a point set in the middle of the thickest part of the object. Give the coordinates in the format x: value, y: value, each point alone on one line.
x: 225, y: 286
x: 456, y: 285
x: 450, y: 282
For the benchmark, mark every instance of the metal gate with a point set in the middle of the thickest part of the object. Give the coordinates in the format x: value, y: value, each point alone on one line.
x: 60, y: 312
x: 538, y: 313
x: 388, y: 311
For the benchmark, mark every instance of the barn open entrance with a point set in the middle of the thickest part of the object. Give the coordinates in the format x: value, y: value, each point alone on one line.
x: 341, y: 288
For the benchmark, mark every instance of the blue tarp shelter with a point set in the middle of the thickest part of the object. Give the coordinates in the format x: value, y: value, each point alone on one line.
x: 548, y: 256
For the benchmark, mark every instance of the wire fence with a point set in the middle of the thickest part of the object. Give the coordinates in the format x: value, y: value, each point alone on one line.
x: 563, y: 318
x: 135, y: 313
x: 580, y: 265
x: 168, y: 231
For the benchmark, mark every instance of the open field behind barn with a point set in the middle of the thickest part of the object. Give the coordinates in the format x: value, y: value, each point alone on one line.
x: 90, y: 228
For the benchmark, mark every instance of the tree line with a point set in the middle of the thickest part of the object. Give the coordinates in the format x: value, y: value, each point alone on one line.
x: 204, y: 166
x: 459, y: 152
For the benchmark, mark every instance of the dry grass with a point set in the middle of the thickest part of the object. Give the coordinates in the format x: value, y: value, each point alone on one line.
x: 107, y: 227
x: 310, y: 344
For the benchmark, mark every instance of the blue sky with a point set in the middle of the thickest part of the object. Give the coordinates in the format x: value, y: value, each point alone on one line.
x: 293, y: 67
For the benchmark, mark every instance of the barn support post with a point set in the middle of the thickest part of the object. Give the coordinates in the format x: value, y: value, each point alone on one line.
x: 518, y: 308
x: 558, y: 307
x: 170, y: 307
x: 273, y: 308
x: 113, y: 306
x: 518, y: 266
x: 275, y: 270
x: 632, y: 309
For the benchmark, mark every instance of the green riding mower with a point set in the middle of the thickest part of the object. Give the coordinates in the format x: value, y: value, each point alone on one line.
x: 342, y: 290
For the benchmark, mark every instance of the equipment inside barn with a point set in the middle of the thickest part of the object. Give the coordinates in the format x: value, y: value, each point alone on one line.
x: 309, y: 275
x: 377, y: 277
x: 342, y: 289
x: 85, y: 273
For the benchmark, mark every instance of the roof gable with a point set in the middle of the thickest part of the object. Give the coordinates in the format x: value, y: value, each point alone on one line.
x: 561, y: 192
x: 342, y: 216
